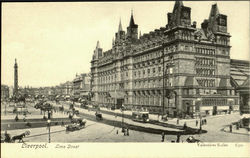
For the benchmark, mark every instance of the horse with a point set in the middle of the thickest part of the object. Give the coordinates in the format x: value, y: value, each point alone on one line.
x: 18, y: 137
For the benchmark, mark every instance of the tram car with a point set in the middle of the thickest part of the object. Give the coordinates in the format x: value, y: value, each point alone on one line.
x: 140, y: 116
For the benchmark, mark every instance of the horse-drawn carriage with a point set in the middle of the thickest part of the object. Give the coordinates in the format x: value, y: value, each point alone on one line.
x: 6, y: 138
x: 98, y: 116
x: 77, y: 124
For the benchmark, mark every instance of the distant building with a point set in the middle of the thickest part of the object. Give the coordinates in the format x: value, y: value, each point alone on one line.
x: 4, y: 92
x: 67, y: 88
x: 81, y: 85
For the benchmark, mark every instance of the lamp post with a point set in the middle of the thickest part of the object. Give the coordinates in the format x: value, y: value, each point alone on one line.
x: 163, y: 86
x: 200, y: 99
x: 49, y: 128
x: 5, y: 108
x: 123, y: 130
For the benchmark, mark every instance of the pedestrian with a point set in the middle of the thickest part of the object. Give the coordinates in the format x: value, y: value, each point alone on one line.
x: 185, y: 126
x: 177, y: 121
x: 162, y: 136
x: 7, y: 137
x: 205, y: 121
x: 62, y: 123
x: 117, y: 131
x: 231, y: 128
x: 178, y: 138
x: 16, y: 118
x: 127, y: 132
x: 24, y: 119
x: 197, y: 123
x: 237, y: 126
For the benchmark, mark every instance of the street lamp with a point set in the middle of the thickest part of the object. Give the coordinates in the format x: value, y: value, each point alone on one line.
x: 122, y: 109
x: 49, y: 128
x: 200, y: 99
x: 5, y: 108
x: 163, y: 84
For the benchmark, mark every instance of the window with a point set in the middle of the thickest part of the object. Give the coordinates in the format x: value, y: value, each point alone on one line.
x: 153, y: 70
x: 170, y: 70
x: 159, y: 69
x: 185, y: 91
x: 148, y: 71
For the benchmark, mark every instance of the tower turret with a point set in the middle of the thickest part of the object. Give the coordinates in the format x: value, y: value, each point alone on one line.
x: 132, y: 29
x: 181, y: 15
x: 97, y: 51
x: 120, y: 35
x: 217, y: 22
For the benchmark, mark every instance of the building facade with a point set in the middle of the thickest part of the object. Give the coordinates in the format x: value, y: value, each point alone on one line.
x: 81, y: 85
x: 4, y: 92
x: 178, y: 69
x: 240, y: 74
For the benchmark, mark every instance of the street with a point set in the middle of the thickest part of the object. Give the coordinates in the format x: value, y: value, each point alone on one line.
x: 216, y: 127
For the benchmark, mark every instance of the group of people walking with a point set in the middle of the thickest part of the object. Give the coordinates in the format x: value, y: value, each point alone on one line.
x: 125, y: 131
x: 202, y: 122
x: 177, y: 139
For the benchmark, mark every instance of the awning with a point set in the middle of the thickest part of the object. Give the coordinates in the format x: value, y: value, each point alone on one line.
x: 117, y: 95
x: 203, y: 108
x: 222, y: 107
x: 84, y: 93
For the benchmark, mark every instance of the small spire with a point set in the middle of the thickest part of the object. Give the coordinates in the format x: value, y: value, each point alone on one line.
x: 98, y: 44
x: 113, y: 41
x: 132, y: 22
x: 15, y: 60
x: 140, y: 35
x: 120, y: 26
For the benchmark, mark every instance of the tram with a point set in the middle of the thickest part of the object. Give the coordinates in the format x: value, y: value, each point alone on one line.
x: 141, y: 116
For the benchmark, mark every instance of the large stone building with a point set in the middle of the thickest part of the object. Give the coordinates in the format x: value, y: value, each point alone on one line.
x: 178, y: 69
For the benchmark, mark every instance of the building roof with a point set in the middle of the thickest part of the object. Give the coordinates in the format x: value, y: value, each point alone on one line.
x: 240, y: 72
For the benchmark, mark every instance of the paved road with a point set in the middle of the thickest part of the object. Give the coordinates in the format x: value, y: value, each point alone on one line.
x: 99, y: 132
x: 117, y: 118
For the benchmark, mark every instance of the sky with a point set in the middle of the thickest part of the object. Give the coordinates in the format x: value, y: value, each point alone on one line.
x: 54, y: 41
